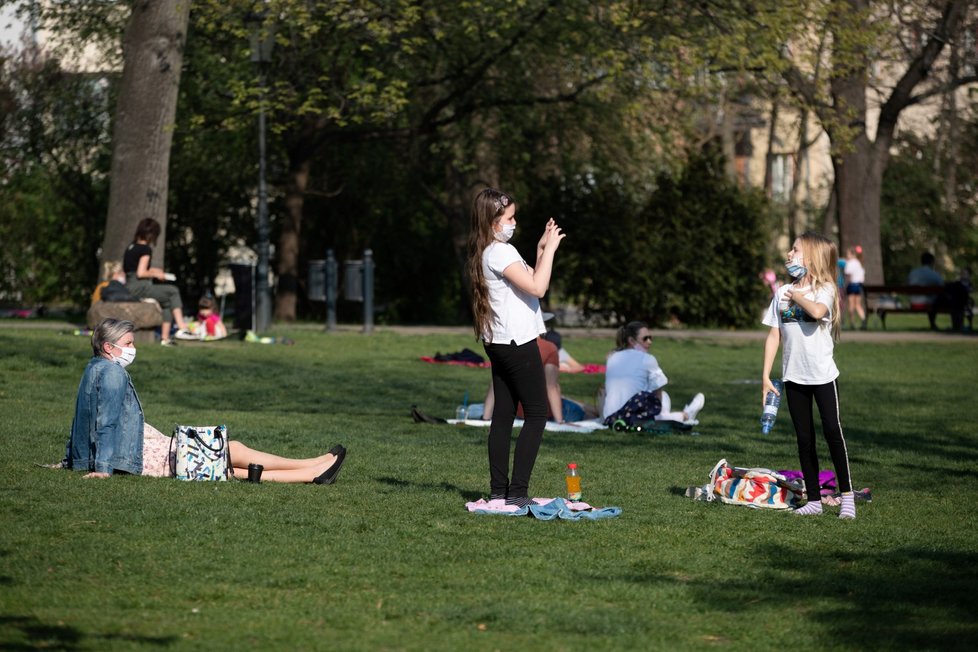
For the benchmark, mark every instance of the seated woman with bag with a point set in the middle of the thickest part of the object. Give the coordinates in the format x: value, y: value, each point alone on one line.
x: 109, y: 435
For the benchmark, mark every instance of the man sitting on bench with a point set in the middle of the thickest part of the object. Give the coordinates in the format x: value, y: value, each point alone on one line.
x: 925, y: 275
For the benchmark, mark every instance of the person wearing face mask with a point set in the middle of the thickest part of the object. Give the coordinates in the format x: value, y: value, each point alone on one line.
x: 107, y: 431
x: 109, y: 434
x: 506, y: 295
x: 804, y: 318
x: 634, y: 382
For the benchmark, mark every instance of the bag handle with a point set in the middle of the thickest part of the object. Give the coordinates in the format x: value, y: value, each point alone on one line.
x: 218, y: 433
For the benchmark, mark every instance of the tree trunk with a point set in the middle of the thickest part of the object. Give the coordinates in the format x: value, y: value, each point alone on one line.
x: 286, y: 293
x: 859, y: 182
x: 144, y: 119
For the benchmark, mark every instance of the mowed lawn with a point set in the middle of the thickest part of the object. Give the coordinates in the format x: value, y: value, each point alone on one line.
x: 388, y: 558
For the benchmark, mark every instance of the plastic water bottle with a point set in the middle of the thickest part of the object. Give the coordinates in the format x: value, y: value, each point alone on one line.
x: 771, y: 404
x: 573, y: 482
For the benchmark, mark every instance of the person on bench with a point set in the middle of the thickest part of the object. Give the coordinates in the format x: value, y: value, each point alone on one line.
x: 925, y: 275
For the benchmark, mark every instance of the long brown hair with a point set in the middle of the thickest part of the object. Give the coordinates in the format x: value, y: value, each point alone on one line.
x: 487, y: 207
x: 820, y: 256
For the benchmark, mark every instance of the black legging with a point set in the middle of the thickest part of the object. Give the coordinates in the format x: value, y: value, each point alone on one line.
x: 517, y: 377
x: 800, y: 405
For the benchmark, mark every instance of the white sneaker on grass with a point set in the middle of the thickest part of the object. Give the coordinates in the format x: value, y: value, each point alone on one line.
x: 184, y: 334
x: 694, y: 407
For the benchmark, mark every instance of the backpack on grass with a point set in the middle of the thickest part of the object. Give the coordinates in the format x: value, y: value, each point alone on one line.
x: 751, y: 487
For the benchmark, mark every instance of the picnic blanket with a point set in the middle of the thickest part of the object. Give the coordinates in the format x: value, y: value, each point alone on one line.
x: 465, y: 358
x: 544, y: 509
x: 469, y: 358
x: 589, y: 369
x: 589, y: 425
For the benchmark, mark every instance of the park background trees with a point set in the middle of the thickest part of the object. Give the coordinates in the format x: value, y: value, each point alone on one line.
x: 619, y: 119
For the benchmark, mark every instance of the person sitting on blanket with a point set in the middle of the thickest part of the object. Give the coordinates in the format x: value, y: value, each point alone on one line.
x: 634, y: 382
x: 559, y: 409
x: 208, y: 323
x: 108, y: 430
x: 568, y: 364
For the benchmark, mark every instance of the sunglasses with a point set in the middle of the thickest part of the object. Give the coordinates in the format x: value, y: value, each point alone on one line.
x: 647, y: 338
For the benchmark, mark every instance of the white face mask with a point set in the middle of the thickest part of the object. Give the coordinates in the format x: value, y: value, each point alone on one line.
x: 795, y: 269
x: 126, y: 357
x: 506, y: 232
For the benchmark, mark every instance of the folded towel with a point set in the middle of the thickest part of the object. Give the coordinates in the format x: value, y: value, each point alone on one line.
x: 545, y: 509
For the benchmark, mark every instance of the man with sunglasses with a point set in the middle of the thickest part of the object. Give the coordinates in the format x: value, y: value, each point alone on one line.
x: 634, y: 382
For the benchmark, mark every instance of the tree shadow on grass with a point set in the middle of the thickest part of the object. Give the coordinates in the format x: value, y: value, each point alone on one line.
x: 431, y: 486
x: 61, y: 637
x: 905, y: 598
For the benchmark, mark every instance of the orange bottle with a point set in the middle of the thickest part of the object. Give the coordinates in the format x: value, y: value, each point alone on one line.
x: 573, y: 482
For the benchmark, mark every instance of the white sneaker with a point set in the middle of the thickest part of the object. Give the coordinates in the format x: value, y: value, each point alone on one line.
x: 694, y: 407
x: 184, y: 334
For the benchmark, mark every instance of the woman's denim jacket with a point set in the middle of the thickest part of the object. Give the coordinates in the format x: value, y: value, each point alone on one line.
x: 107, y: 432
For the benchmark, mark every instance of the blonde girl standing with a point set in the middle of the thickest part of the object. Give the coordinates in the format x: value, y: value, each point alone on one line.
x: 804, y: 317
x: 506, y: 295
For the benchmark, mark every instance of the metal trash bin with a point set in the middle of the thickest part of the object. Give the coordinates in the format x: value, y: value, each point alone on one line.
x: 316, y: 282
x: 353, y: 280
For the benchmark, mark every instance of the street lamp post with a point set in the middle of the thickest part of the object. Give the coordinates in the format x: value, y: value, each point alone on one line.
x: 262, y: 42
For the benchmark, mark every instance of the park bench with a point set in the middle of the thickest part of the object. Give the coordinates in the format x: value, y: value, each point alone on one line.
x: 884, y: 299
x: 146, y: 315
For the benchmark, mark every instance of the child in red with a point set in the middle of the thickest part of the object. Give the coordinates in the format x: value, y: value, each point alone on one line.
x: 209, y: 320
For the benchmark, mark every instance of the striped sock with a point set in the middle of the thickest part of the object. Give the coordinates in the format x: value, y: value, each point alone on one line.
x: 521, y: 501
x: 811, y: 507
x: 848, y: 510
x: 497, y: 496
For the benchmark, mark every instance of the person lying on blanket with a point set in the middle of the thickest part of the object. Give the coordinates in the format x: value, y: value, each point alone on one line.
x: 109, y: 434
x: 559, y: 409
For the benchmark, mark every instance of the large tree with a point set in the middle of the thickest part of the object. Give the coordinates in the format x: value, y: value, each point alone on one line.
x: 857, y: 65
x: 144, y: 121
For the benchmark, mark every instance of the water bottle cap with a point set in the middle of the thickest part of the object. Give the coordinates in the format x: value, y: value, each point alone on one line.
x: 572, y: 465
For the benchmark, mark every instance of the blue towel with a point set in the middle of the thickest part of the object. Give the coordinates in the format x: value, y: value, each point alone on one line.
x: 558, y: 509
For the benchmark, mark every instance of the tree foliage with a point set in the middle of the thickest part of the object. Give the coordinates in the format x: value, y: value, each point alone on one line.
x: 54, y: 151
x: 689, y: 252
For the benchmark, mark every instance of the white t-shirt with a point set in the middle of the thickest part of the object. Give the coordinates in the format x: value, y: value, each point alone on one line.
x: 516, y: 315
x: 854, y: 271
x: 627, y: 373
x: 807, y: 346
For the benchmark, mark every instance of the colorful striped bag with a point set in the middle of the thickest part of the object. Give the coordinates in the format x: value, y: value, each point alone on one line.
x: 753, y: 487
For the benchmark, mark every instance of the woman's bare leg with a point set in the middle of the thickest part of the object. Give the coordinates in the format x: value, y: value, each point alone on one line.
x: 299, y: 475
x: 165, y: 331
x: 242, y: 456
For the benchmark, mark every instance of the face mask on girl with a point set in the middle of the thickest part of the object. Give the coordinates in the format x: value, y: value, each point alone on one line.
x: 795, y: 269
x: 127, y: 356
x: 506, y: 232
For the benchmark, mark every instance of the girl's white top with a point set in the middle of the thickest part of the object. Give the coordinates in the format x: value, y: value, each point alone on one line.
x: 516, y: 315
x: 807, y: 346
x: 854, y: 271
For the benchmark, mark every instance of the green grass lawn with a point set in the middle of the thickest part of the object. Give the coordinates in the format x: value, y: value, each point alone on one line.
x: 388, y: 559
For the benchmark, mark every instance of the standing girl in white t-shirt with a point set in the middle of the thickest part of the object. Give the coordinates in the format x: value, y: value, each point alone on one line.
x: 855, y: 277
x: 506, y: 295
x: 804, y: 315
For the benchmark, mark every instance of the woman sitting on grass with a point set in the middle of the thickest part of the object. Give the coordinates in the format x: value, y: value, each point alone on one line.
x: 108, y: 432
